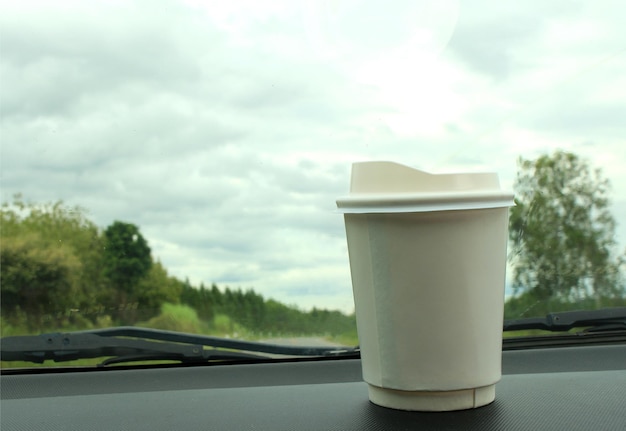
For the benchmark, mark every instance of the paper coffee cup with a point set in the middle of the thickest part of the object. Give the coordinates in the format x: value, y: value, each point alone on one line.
x: 428, y: 259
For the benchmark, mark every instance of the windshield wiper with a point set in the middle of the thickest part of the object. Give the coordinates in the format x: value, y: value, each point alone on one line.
x: 596, y: 320
x: 124, y: 344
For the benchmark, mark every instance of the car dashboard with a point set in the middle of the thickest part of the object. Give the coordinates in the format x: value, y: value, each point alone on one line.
x: 564, y: 388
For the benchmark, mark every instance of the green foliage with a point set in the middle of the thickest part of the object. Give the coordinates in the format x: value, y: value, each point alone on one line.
x: 155, y: 289
x: 126, y: 256
x: 37, y: 277
x: 50, y: 259
x: 526, y: 304
x: 126, y: 265
x: 56, y: 271
x: 562, y: 235
x: 60, y: 272
x: 223, y: 324
x: 349, y: 338
x: 176, y: 317
x: 205, y: 301
x: 250, y: 311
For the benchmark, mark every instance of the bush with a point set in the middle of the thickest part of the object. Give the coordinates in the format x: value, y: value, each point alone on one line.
x: 176, y: 317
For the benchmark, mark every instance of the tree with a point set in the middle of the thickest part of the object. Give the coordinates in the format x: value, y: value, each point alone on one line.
x: 155, y: 289
x: 562, y: 232
x: 51, y: 259
x: 127, y: 256
x: 37, y: 278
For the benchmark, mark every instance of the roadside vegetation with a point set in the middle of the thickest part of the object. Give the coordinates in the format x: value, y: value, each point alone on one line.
x: 61, y: 272
x: 562, y: 243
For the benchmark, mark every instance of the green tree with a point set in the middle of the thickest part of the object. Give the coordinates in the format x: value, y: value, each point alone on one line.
x: 562, y: 233
x: 155, y: 289
x: 37, y: 279
x: 51, y: 259
x: 127, y: 256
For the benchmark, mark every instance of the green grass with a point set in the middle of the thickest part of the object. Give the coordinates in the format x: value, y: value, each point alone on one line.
x: 177, y: 317
x: 348, y: 339
x: 528, y: 333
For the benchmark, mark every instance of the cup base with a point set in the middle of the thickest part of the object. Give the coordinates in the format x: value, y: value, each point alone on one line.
x: 432, y: 401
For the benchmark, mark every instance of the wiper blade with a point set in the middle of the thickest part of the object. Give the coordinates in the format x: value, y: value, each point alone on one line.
x: 61, y: 347
x: 145, y: 344
x: 609, y: 318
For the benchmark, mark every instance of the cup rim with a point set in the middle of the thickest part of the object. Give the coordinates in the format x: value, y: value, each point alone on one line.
x: 357, y: 203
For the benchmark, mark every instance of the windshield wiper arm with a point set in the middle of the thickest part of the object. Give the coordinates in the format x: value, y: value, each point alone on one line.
x: 145, y: 344
x: 61, y: 347
x: 566, y: 320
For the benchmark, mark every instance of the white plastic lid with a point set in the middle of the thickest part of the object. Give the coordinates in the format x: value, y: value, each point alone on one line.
x: 382, y: 187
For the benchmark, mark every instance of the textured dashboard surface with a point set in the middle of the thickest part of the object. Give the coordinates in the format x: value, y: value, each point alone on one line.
x: 325, y: 395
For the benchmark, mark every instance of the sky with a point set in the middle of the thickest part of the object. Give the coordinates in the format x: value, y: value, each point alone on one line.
x: 226, y: 130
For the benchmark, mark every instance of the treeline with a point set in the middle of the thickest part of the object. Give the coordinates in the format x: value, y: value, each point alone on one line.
x: 250, y: 310
x: 59, y: 270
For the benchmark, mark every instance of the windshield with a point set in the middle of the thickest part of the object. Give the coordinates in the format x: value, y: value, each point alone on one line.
x: 176, y: 166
